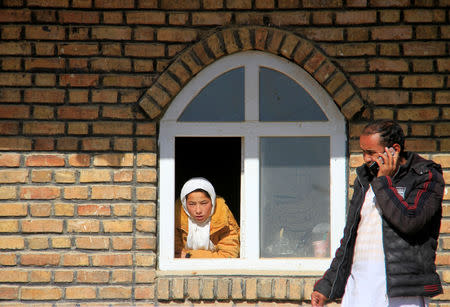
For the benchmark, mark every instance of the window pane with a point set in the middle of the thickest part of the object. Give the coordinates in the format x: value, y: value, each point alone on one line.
x: 222, y: 100
x: 295, y: 201
x: 283, y: 99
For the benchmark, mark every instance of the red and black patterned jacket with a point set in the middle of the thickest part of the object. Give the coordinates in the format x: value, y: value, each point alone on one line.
x: 411, y: 209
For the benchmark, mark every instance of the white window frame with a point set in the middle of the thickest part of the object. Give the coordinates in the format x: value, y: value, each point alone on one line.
x: 250, y: 131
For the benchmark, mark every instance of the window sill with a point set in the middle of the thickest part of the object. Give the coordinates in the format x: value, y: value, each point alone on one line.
x: 224, y: 272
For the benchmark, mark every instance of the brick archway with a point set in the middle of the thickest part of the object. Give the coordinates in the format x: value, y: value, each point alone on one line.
x: 232, y: 40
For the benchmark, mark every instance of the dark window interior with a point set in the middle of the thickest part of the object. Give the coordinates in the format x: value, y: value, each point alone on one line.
x: 216, y: 159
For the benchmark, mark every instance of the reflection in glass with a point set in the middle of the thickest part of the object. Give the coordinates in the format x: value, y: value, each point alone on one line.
x: 283, y: 99
x: 222, y: 100
x: 295, y: 196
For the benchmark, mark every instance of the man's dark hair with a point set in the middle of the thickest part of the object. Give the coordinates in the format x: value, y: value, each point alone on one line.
x: 390, y: 132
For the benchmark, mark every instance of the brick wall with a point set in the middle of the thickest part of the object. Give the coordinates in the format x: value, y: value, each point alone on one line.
x: 84, y: 82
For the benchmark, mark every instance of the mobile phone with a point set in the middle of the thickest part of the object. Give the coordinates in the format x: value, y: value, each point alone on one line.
x: 374, y: 168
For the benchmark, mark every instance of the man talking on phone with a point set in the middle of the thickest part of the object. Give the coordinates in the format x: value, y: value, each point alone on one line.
x: 386, y: 257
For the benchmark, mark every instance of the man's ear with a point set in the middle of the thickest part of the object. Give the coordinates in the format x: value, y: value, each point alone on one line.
x: 397, y: 147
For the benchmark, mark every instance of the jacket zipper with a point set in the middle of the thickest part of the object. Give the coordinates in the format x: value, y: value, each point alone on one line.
x: 348, y: 240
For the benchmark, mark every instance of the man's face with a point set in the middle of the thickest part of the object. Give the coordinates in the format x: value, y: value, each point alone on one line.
x: 371, y: 147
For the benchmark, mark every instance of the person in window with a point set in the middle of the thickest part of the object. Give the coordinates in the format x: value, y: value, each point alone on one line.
x: 387, y: 254
x: 204, y: 225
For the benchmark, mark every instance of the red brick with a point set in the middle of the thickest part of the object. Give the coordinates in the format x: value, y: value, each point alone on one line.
x: 123, y: 176
x: 180, y: 4
x: 7, y: 259
x: 9, y: 292
x: 351, y: 49
x: 79, y: 112
x: 15, y: 79
x: 63, y: 276
x: 44, y: 16
x: 45, y: 160
x: 117, y: 4
x: 43, y: 128
x: 423, y: 81
x: 92, y: 276
x: 45, y: 63
x: 14, y: 48
x: 79, y: 80
x: 44, y: 144
x: 48, y: 3
x: 10, y: 111
x: 288, y: 18
x: 76, y: 192
x: 211, y: 19
x: 424, y: 48
x: 40, y: 259
x: 94, y: 210
x: 10, y: 243
x: 111, y: 64
x: 144, y: 33
x: 111, y: 192
x: 111, y: 33
x: 9, y: 128
x: 117, y: 226
x: 387, y: 97
x: 44, y: 32
x: 418, y: 114
x: 144, y: 50
x: 78, y: 17
x: 319, y: 3
x: 42, y: 226
x: 424, y: 15
x: 10, y: 95
x: 146, y: 17
x: 356, y: 17
x: 122, y: 243
x: 41, y: 210
x: 392, y: 33
x: 14, y: 144
x: 78, y: 49
x: 13, y: 176
x: 176, y: 35
x: 40, y: 293
x: 40, y: 276
x: 95, y: 144
x: 79, y: 160
x: 381, y: 64
x: 79, y: 293
x: 113, y: 17
x: 146, y: 243
x: 9, y: 160
x: 39, y: 192
x: 323, y: 34
x: 78, y: 259
x: 112, y: 260
x: 94, y: 243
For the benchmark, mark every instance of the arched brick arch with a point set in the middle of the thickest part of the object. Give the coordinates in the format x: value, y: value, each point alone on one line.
x: 232, y: 40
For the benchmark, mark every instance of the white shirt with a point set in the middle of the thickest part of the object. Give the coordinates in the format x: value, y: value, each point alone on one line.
x: 366, y: 285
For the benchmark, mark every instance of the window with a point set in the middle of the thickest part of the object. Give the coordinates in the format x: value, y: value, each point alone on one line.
x: 272, y: 142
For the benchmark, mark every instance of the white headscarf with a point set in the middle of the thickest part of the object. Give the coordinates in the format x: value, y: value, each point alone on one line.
x: 198, y: 236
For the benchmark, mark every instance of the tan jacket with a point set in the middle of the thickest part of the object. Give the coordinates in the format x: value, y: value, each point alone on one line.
x: 224, y: 233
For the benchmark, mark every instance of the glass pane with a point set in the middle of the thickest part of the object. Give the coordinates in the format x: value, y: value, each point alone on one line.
x: 295, y: 196
x: 222, y: 100
x: 283, y: 99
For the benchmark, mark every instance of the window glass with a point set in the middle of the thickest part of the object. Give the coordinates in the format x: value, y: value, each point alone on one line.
x: 283, y: 99
x: 221, y: 100
x: 295, y: 189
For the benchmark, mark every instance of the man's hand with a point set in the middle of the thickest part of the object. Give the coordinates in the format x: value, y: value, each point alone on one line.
x: 318, y: 299
x: 390, y: 163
